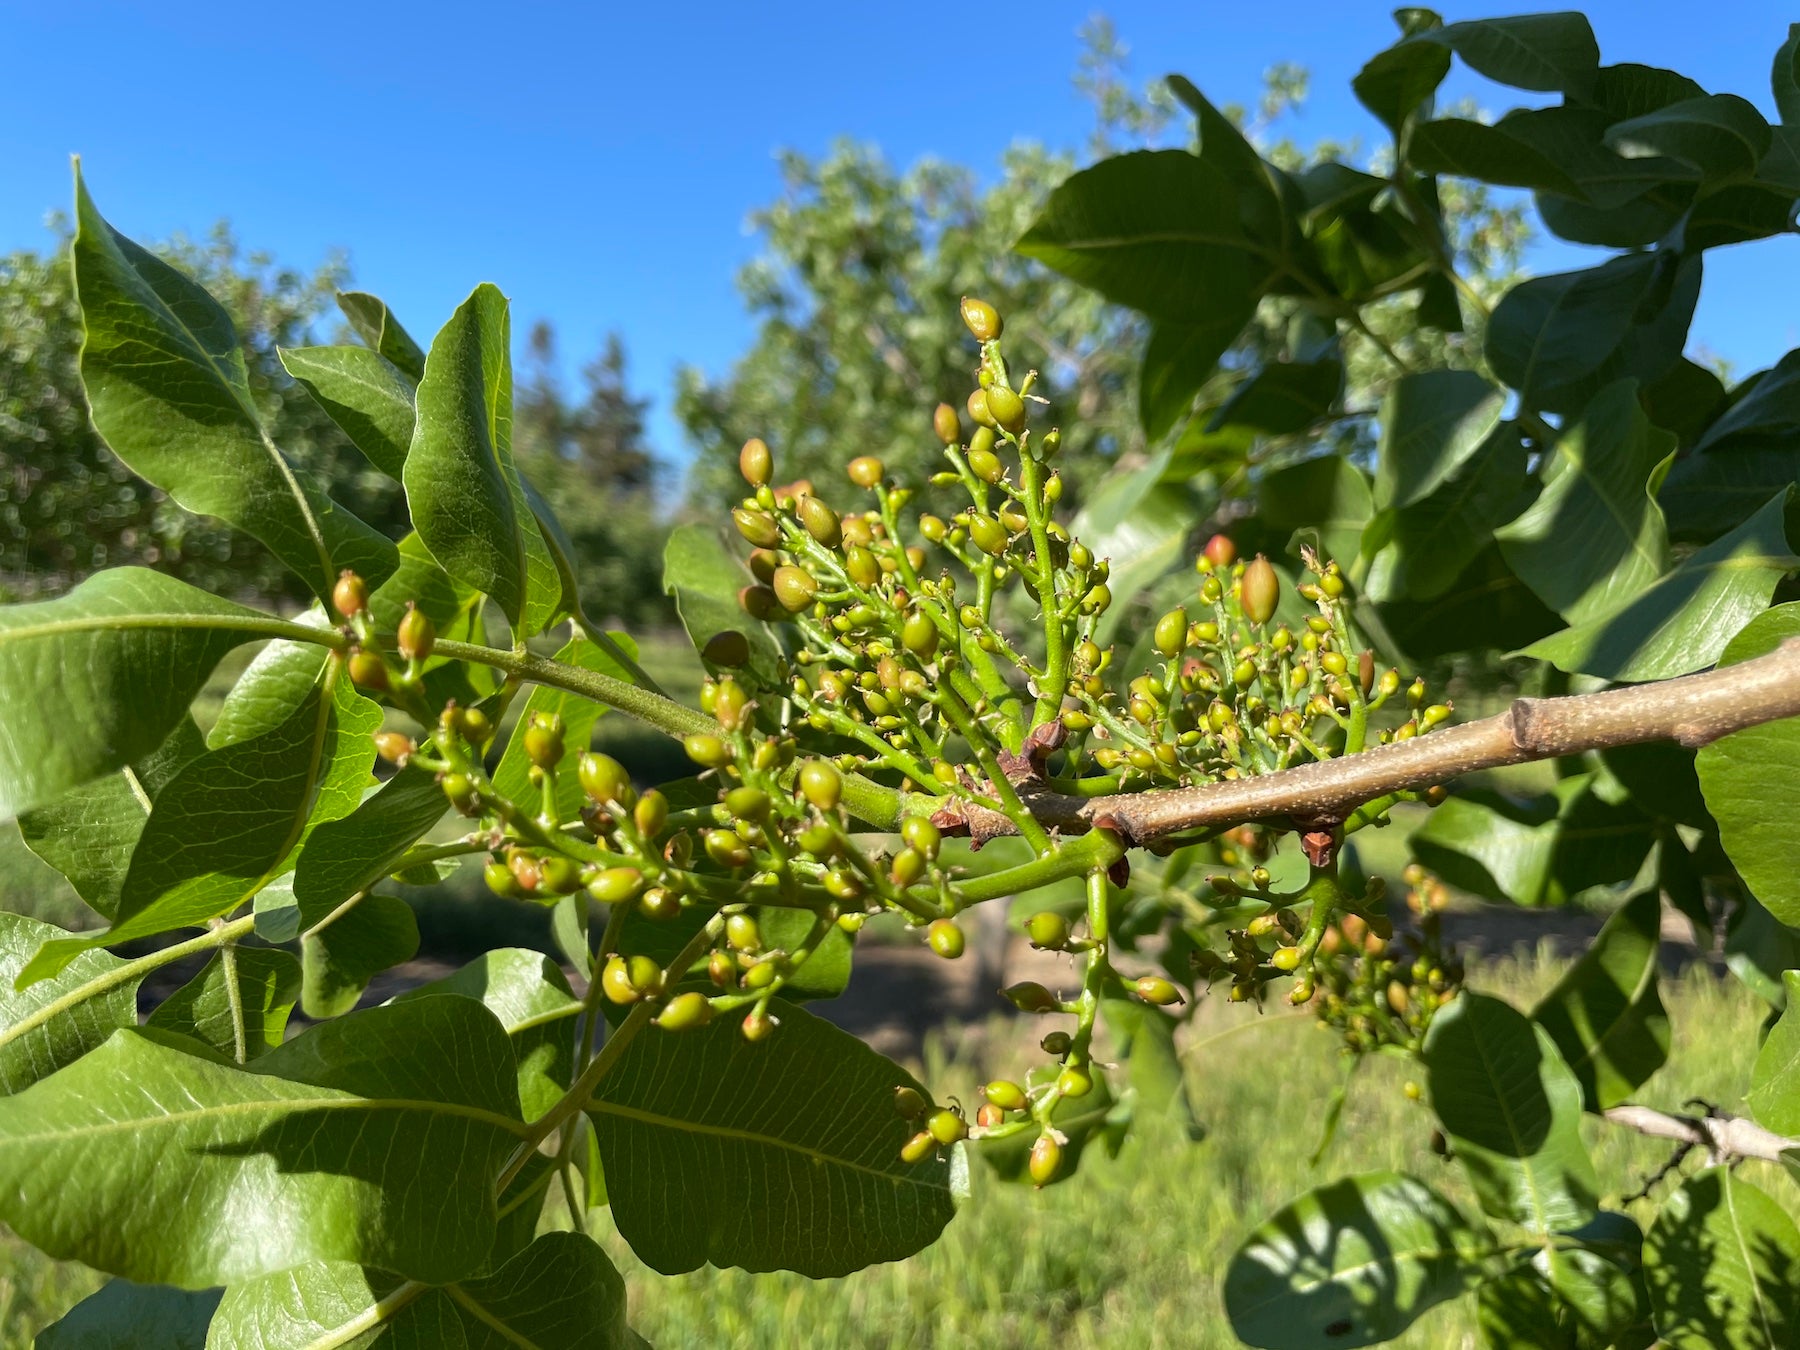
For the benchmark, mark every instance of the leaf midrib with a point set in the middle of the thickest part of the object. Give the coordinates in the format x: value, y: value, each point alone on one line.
x: 680, y: 1123
x: 275, y: 1106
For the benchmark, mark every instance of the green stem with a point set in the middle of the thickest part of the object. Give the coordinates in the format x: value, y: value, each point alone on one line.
x: 235, y: 997
x: 125, y: 974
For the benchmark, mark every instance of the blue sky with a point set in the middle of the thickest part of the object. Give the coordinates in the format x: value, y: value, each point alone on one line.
x: 598, y: 161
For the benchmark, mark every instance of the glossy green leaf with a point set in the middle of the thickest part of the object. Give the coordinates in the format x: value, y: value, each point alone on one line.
x: 88, y: 834
x: 1485, y: 608
x: 376, y: 325
x: 1512, y: 1111
x: 98, y: 678
x: 1606, y: 1013
x: 1351, y: 1263
x: 1720, y: 135
x: 168, y: 389
x: 345, y: 856
x: 240, y: 1001
x: 57, y: 1021
x: 1559, y: 339
x: 1431, y: 424
x: 1221, y: 144
x: 1743, y: 456
x: 512, y: 776
x: 530, y: 995
x: 1141, y: 522
x: 1541, y: 850
x: 461, y: 484
x: 560, y: 1293
x: 704, y: 575
x: 1395, y: 83
x: 341, y: 954
x: 1551, y: 53
x: 367, y: 1139
x: 1154, y: 230
x: 1323, y: 501
x: 278, y: 679
x: 126, y: 1316
x: 799, y: 1130
x: 230, y: 821
x: 364, y: 393
x: 1723, y: 1264
x: 1774, y: 1096
x: 1425, y: 547
x: 1282, y: 398
x: 1178, y: 360
x: 1146, y: 1038
x: 1683, y: 621
x: 1595, y: 538
x: 1749, y: 782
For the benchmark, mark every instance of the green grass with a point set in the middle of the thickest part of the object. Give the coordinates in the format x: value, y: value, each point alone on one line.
x: 1131, y: 1251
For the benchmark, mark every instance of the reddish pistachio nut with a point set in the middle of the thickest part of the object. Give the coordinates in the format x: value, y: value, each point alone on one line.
x: 350, y: 596
x: 1259, y: 590
x: 1220, y: 551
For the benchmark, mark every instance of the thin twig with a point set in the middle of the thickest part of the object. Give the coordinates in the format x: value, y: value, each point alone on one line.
x: 1725, y: 1137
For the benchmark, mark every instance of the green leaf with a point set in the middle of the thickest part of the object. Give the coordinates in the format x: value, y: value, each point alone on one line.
x: 1759, y: 950
x: 799, y: 1131
x: 1749, y: 783
x: 372, y: 1138
x: 341, y: 954
x: 1425, y: 547
x: 364, y: 393
x: 1686, y: 400
x: 55, y: 1022
x: 1585, y: 1292
x: 1431, y: 424
x: 376, y: 325
x: 246, y: 998
x: 1594, y: 539
x: 1327, y: 497
x: 1178, y: 360
x: 560, y: 1293
x: 461, y: 484
x: 1606, y: 1014
x: 705, y: 575
x: 278, y: 679
x: 530, y: 995
x: 1141, y: 522
x: 1156, y: 231
x: 1559, y: 339
x: 1282, y: 398
x: 88, y: 834
x: 1485, y: 608
x: 98, y: 678
x: 1682, y: 622
x: 1352, y: 1263
x: 1719, y: 135
x: 126, y: 1316
x: 1395, y: 83
x: 168, y: 390
x: 1550, y: 53
x: 1742, y: 458
x: 1774, y: 1096
x: 230, y: 821
x: 1538, y: 851
x: 1723, y: 1264
x: 512, y: 776
x: 349, y: 855
x: 1146, y: 1038
x: 1784, y: 78
x: 1512, y: 1111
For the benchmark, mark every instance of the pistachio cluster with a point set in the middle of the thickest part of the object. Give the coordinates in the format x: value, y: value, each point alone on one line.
x: 957, y: 653
x: 1380, y: 989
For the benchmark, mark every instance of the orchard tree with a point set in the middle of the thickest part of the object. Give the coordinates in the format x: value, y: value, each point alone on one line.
x: 890, y: 689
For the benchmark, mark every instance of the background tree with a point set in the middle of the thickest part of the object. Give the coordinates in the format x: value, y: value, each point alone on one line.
x: 855, y: 297
x: 590, y: 460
